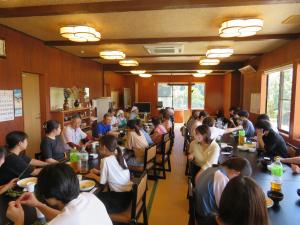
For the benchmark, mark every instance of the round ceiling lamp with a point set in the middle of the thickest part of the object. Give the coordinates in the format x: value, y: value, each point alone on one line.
x: 145, y: 75
x: 199, y: 74
x: 80, y: 33
x: 137, y: 72
x: 219, y: 52
x: 129, y: 62
x: 240, y: 27
x: 209, y: 62
x: 112, y: 55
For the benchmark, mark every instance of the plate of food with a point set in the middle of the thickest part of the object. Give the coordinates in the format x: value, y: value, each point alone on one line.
x: 269, y: 202
x: 87, y: 185
x: 24, y: 182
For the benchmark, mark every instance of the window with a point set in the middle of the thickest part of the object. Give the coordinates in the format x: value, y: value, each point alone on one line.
x: 198, y: 92
x: 279, y: 93
x: 175, y: 96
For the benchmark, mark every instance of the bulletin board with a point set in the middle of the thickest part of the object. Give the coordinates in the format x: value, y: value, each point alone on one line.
x: 6, y: 105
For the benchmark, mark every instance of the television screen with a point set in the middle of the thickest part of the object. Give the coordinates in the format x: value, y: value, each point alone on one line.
x: 144, y: 107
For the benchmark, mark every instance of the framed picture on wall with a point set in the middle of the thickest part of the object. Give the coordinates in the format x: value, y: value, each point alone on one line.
x: 2, y: 48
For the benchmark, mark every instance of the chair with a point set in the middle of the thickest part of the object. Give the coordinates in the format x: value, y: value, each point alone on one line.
x: 190, y: 196
x: 164, y: 156
x: 138, y: 204
x: 292, y: 150
x: 149, y: 162
x: 187, y: 138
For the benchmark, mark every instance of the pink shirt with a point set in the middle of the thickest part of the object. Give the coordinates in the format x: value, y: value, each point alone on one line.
x: 160, y: 129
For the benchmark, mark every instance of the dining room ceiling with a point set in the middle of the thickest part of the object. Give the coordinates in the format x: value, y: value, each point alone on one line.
x: 195, y: 27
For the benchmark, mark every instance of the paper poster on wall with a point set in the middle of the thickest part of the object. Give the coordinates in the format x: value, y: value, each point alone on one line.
x: 255, y: 103
x: 18, y: 102
x: 6, y: 105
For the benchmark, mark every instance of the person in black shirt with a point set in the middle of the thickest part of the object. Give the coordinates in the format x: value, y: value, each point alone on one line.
x: 16, y: 161
x: 52, y: 147
x: 272, y: 142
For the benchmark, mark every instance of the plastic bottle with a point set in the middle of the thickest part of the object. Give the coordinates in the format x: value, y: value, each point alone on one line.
x: 276, y: 171
x: 84, y: 161
x: 74, y: 159
x: 241, y: 140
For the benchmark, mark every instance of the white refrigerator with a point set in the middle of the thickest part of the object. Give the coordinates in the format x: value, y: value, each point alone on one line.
x: 102, y: 105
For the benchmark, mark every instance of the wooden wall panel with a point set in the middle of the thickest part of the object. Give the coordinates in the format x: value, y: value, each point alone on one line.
x: 55, y: 67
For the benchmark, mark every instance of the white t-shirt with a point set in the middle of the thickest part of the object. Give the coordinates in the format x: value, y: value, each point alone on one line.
x: 112, y: 173
x: 216, y: 132
x: 74, y: 136
x: 86, y: 209
x: 220, y: 182
x: 135, y: 141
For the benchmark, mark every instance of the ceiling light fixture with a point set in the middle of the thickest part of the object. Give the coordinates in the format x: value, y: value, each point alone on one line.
x: 240, y: 27
x: 137, y: 72
x: 145, y: 75
x: 219, y: 52
x: 129, y: 62
x: 112, y: 55
x: 80, y: 33
x: 204, y: 71
x: 199, y: 74
x: 209, y: 62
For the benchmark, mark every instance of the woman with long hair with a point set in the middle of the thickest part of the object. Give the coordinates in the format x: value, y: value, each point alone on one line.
x: 113, y: 172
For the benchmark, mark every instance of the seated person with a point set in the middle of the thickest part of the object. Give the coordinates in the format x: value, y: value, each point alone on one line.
x: 58, y: 197
x: 272, y: 143
x: 233, y: 119
x: 114, y: 172
x: 13, y: 182
x: 295, y: 163
x: 249, y: 209
x: 218, y: 132
x: 221, y: 120
x: 159, y: 131
x: 112, y: 113
x: 266, y: 117
x: 134, y: 114
x: 192, y: 119
x: 139, y: 123
x: 198, y: 122
x: 104, y: 127
x: 73, y: 133
x: 16, y: 162
x: 203, y: 150
x: 210, y: 184
x: 246, y: 123
x: 166, y: 122
x: 52, y: 147
x: 137, y: 142
x: 121, y: 119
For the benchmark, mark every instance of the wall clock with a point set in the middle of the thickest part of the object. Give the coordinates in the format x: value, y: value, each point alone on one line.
x: 2, y: 48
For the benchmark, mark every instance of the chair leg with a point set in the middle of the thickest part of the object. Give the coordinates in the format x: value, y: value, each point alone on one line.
x: 169, y: 164
x: 145, y: 216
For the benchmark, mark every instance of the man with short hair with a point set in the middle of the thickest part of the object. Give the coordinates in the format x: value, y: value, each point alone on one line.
x: 73, y: 134
x: 269, y: 140
x: 210, y: 184
x: 246, y: 123
x: 266, y: 117
x: 104, y: 127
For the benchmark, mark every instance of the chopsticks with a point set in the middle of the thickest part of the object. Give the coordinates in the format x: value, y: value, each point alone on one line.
x: 23, y: 171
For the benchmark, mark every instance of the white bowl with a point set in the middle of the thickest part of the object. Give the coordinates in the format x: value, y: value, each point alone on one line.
x: 86, y: 185
x: 24, y: 182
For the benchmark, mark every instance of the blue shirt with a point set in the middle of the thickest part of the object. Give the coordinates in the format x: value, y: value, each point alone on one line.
x: 147, y: 136
x: 249, y: 128
x: 102, y: 129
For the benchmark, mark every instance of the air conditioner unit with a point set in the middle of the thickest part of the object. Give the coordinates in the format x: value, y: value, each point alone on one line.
x: 247, y: 69
x: 164, y: 49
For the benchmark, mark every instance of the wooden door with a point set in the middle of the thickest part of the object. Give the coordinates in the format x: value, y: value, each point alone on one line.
x: 32, y: 112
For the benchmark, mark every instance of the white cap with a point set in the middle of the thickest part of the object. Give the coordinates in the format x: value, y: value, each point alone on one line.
x: 120, y: 112
x: 134, y: 108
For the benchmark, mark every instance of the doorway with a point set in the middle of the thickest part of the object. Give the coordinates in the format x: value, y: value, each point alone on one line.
x: 32, y: 111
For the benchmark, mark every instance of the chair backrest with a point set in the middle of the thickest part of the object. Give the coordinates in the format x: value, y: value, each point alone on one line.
x: 139, y: 194
x: 150, y: 153
x: 166, y: 137
x: 167, y: 146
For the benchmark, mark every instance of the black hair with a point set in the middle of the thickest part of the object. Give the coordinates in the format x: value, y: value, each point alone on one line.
x: 263, y: 124
x: 110, y: 110
x: 2, y: 152
x: 106, y: 115
x: 235, y: 110
x: 139, y: 123
x: 243, y: 113
x: 204, y: 130
x: 111, y: 143
x: 209, y: 121
x: 263, y: 117
x: 155, y: 120
x: 50, y: 125
x: 76, y: 116
x: 57, y: 181
x: 239, y: 164
x: 14, y: 138
x: 203, y: 114
x: 132, y: 124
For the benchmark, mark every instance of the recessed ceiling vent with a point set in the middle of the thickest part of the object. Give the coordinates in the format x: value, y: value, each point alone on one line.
x: 294, y: 19
x: 167, y: 49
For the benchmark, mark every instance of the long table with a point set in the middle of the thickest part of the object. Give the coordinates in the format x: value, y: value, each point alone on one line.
x: 288, y: 212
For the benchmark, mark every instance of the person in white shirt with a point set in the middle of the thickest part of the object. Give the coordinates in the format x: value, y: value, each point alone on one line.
x: 203, y: 150
x: 73, y: 133
x: 218, y: 132
x: 197, y: 123
x: 114, y: 121
x: 58, y: 186
x: 114, y: 172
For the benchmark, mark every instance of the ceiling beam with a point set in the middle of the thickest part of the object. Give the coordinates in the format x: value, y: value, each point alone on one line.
x: 291, y: 36
x: 161, y: 67
x: 126, y: 6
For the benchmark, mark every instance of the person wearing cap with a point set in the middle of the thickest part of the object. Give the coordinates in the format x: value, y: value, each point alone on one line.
x: 134, y: 114
x: 121, y: 119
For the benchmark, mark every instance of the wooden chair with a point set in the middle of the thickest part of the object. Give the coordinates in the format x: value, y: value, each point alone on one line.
x: 149, y: 162
x: 164, y: 157
x: 138, y: 204
x: 190, y: 196
x: 186, y: 137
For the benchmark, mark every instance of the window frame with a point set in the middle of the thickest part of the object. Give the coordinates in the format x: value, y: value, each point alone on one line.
x: 280, y: 96
x: 192, y: 93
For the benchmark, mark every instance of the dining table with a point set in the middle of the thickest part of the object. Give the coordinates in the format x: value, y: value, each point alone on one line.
x: 288, y: 210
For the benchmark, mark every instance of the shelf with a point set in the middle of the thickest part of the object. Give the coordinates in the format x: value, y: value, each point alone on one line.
x: 72, y: 110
